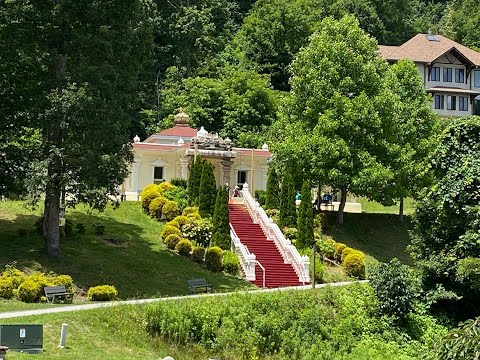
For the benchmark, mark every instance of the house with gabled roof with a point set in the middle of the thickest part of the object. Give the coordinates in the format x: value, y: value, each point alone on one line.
x: 450, y: 72
x: 168, y: 155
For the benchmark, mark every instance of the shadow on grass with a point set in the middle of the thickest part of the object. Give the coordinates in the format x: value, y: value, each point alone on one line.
x: 130, y: 254
x: 378, y: 235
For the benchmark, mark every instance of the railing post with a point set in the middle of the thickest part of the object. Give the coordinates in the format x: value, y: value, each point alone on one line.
x: 252, y: 259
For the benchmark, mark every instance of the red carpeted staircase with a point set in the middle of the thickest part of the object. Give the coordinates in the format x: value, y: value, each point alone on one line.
x: 277, y: 274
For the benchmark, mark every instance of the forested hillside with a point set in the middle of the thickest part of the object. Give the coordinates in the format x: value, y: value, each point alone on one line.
x: 227, y: 62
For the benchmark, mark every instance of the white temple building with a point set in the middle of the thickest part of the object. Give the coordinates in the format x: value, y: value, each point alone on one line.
x: 167, y: 155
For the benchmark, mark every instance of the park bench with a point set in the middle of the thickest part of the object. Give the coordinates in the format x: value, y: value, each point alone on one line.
x: 201, y: 283
x: 53, y: 293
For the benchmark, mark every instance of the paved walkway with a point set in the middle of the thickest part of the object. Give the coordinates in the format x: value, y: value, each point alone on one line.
x: 23, y: 313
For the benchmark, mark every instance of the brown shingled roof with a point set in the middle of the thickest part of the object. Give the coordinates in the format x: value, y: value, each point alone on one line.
x: 421, y: 49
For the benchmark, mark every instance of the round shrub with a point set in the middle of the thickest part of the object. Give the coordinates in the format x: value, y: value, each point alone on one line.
x: 31, y: 289
x: 213, y: 259
x: 198, y: 254
x: 165, y: 186
x: 102, y: 293
x: 172, y: 240
x: 173, y: 223
x: 64, y: 280
x: 194, y: 216
x: 326, y: 248
x: 148, y: 194
x: 168, y: 230
x: 184, y: 247
x: 181, y: 220
x: 345, y: 252
x: 339, y: 247
x: 231, y: 265
x: 354, y: 264
x: 156, y: 206
x: 7, y: 288
x: 170, y: 210
x: 190, y: 210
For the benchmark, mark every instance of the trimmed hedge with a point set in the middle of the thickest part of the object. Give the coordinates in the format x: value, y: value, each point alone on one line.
x: 354, y: 264
x: 172, y: 240
x: 168, y: 230
x: 184, y: 247
x: 198, y: 254
x: 156, y: 206
x: 214, y: 259
x: 102, y: 293
x: 170, y: 210
x: 149, y: 193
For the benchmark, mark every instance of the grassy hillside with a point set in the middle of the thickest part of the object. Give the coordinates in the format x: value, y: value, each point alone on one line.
x: 130, y: 255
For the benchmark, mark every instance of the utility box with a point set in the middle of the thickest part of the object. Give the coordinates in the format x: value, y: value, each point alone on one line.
x: 22, y: 338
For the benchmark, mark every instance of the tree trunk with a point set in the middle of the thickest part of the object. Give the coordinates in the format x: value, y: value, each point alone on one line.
x: 51, y: 228
x: 314, y: 250
x: 343, y: 200
x: 400, y: 212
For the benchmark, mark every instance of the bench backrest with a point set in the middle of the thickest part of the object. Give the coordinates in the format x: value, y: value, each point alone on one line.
x: 197, y: 282
x: 52, y: 290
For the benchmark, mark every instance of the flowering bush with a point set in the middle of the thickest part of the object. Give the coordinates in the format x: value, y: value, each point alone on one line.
x: 199, y: 232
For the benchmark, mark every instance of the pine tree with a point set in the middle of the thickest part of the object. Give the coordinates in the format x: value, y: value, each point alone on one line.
x: 208, y: 191
x: 221, y: 222
x: 273, y: 190
x: 288, y: 210
x: 194, y: 178
x: 305, y: 236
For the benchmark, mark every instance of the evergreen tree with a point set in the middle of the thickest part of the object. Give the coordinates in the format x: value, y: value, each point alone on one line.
x: 208, y: 191
x: 305, y: 218
x: 194, y: 178
x: 273, y: 189
x: 221, y: 221
x: 288, y: 211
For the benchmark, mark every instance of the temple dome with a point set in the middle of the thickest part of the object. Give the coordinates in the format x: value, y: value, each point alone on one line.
x: 181, y: 119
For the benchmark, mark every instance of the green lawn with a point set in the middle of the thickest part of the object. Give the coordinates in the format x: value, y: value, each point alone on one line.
x: 112, y: 333
x: 374, y: 207
x: 130, y: 255
x: 380, y: 236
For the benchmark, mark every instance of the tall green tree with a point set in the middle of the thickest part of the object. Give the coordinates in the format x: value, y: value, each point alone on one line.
x: 330, y: 127
x: 305, y: 236
x: 194, y: 180
x: 81, y: 61
x: 273, y: 189
x: 288, y: 210
x: 415, y: 127
x: 221, y: 222
x: 446, y: 236
x: 208, y: 191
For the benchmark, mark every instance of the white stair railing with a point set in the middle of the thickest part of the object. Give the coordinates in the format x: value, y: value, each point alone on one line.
x: 247, y: 259
x: 271, y: 230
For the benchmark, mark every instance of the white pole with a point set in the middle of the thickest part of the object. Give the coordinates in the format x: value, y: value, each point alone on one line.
x: 63, y: 336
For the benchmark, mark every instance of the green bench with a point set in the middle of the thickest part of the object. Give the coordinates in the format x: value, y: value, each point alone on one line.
x: 201, y: 283
x: 53, y: 293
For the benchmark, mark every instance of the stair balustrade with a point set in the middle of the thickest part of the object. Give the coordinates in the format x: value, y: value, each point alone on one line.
x: 247, y: 259
x: 289, y: 252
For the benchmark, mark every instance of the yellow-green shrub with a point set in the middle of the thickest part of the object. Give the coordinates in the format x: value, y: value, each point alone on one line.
x: 339, y: 247
x: 174, y: 223
x: 198, y: 254
x: 190, y: 210
x: 231, y: 265
x: 214, y: 259
x: 184, y: 247
x: 156, y: 206
x: 170, y: 210
x: 10, y: 280
x: 165, y: 186
x: 194, y: 216
x: 172, y: 240
x: 31, y: 289
x: 181, y: 220
x: 147, y: 195
x: 102, y: 293
x: 354, y: 264
x: 169, y: 230
x: 64, y: 280
x: 346, y: 251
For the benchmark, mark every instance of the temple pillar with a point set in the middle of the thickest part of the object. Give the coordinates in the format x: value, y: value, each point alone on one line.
x: 184, y: 167
x: 227, y: 168
x: 135, y: 178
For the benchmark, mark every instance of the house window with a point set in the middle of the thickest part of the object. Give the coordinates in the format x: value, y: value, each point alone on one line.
x: 435, y: 74
x: 477, y: 78
x: 451, y: 102
x: 447, y: 74
x: 439, y: 101
x: 459, y: 75
x: 241, y: 178
x: 463, y: 103
x: 158, y: 175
